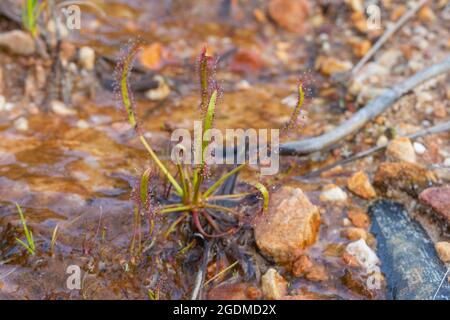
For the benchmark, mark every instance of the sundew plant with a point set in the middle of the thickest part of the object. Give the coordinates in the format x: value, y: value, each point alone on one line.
x: 191, y: 195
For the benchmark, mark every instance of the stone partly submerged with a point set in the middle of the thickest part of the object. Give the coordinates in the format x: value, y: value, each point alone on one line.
x: 409, y: 260
x: 290, y: 225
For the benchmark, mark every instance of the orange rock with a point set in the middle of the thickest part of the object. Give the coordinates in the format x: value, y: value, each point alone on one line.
x: 330, y: 65
x: 253, y: 293
x: 349, y: 259
x: 359, y: 219
x: 401, y: 149
x: 359, y: 21
x: 237, y: 291
x: 360, y: 185
x: 360, y: 47
x: 151, y: 56
x: 398, y: 12
x: 245, y: 61
x: 403, y: 176
x: 332, y: 172
x: 290, y: 225
x: 426, y: 14
x: 317, y: 273
x: 259, y: 15
x: 443, y: 250
x: 301, y: 265
x: 354, y: 234
x: 289, y: 14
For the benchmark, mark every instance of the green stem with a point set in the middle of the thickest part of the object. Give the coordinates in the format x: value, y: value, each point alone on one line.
x: 222, y: 180
x: 164, y: 170
x: 176, y: 209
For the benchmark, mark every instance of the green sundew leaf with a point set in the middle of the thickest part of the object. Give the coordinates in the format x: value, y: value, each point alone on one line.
x: 209, y: 118
x: 145, y: 201
x: 265, y: 193
x: 297, y: 109
x: 125, y: 97
x: 204, y: 78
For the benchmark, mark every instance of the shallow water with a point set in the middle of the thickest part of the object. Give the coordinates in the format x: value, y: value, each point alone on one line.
x: 78, y: 171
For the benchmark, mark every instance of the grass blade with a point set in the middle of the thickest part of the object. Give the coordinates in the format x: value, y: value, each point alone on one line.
x: 28, y: 233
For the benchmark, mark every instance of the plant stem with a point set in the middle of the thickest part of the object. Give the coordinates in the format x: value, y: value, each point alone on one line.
x: 164, y: 170
x: 222, y: 180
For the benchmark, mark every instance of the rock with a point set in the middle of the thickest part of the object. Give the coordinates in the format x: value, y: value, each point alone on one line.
x: 354, y: 234
x: 21, y: 124
x: 60, y: 108
x: 359, y: 219
x: 330, y: 65
x: 289, y: 14
x: 356, y: 284
x: 290, y: 225
x: 365, y: 256
x: 438, y: 198
x: 447, y: 162
x: 412, y: 267
x: 301, y: 266
x: 349, y: 260
x: 18, y: 42
x: 401, y: 149
x: 426, y: 14
x: 360, y: 185
x: 247, y: 62
x: 317, y: 273
x: 151, y: 56
x: 360, y: 46
x: 273, y: 285
x: 243, y: 85
x: 86, y: 58
x: 235, y: 291
x: 6, y: 106
x: 404, y: 176
x: 333, y: 193
x: 161, y: 92
x: 419, y: 148
x: 382, y: 140
x: 443, y: 250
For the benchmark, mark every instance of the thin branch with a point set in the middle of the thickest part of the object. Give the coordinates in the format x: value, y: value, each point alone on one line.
x: 439, y: 128
x: 374, y: 108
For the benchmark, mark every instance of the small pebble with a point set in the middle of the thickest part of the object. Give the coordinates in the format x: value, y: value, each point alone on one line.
x: 447, y: 162
x: 60, y: 108
x: 243, y: 85
x: 21, y: 124
x: 87, y: 58
x: 419, y: 148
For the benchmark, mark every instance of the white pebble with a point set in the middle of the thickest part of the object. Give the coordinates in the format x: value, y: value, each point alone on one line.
x: 419, y: 148
x: 333, y: 194
x: 447, y: 162
x: 363, y: 254
x: 87, y: 58
x: 21, y: 124
x: 60, y: 108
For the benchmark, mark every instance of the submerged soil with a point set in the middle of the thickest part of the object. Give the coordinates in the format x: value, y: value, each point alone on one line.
x: 78, y: 170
